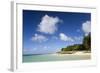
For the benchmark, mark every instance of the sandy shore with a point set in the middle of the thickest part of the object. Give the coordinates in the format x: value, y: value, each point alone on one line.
x: 76, y: 53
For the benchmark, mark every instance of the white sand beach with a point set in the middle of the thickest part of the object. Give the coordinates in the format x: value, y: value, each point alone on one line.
x: 79, y: 55
x: 76, y: 53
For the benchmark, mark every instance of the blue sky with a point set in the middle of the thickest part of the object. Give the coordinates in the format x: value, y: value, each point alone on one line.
x: 48, y: 32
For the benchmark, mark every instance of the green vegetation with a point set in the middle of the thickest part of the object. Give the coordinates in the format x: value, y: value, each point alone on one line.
x: 87, y: 42
x: 85, y: 46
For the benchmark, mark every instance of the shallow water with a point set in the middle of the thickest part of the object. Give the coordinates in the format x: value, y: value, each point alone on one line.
x: 50, y: 57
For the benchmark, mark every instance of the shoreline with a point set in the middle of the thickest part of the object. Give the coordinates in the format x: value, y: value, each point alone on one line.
x: 66, y: 53
x: 74, y: 53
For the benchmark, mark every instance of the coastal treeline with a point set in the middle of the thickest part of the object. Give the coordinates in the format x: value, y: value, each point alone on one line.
x: 85, y: 46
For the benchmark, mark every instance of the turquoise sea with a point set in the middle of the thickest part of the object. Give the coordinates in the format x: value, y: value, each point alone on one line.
x: 51, y: 57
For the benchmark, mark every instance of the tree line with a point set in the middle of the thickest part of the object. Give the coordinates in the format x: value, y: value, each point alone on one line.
x: 86, y: 45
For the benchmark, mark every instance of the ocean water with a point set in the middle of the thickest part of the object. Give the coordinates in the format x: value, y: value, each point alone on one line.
x: 50, y: 57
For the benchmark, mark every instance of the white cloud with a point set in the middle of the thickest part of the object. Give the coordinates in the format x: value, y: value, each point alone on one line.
x: 78, y: 38
x: 48, y: 24
x: 39, y: 38
x: 64, y: 37
x: 86, y: 27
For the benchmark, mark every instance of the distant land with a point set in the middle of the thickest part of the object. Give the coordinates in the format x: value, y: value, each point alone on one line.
x: 85, y: 46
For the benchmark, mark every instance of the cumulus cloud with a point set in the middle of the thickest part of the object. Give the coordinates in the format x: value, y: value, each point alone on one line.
x: 48, y: 24
x: 78, y: 38
x: 86, y: 27
x: 39, y: 38
x: 64, y: 37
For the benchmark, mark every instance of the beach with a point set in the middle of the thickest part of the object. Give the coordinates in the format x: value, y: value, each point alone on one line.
x: 79, y: 55
x: 75, y: 53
